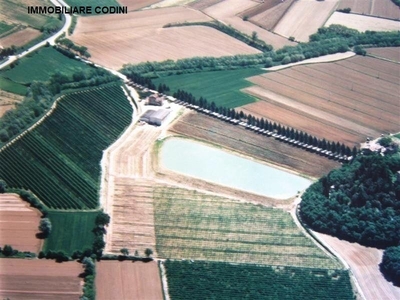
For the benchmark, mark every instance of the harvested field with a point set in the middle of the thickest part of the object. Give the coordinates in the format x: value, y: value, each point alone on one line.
x: 19, y: 38
x: 128, y: 280
x: 137, y: 4
x: 39, y: 279
x: 19, y: 224
x: 138, y: 36
x: 379, y: 8
x: 271, y: 14
x: 363, y: 23
x: 364, y: 263
x: 362, y: 101
x: 203, y: 4
x: 228, y: 12
x: 238, y: 139
x: 168, y: 3
x: 390, y: 53
x: 304, y: 18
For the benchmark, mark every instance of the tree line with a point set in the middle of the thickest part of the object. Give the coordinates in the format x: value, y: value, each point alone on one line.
x: 291, y: 133
x: 330, y: 40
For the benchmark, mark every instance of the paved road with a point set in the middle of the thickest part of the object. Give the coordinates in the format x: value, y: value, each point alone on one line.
x: 51, y: 39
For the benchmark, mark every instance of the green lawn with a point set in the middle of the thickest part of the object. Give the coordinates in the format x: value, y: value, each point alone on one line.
x: 71, y: 231
x: 222, y: 87
x: 12, y: 87
x: 41, y: 64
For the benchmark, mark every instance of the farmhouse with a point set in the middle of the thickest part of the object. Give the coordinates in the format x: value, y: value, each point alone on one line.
x: 155, y: 100
x: 155, y: 117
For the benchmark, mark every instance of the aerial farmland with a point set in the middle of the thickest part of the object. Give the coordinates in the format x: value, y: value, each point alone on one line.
x: 200, y: 149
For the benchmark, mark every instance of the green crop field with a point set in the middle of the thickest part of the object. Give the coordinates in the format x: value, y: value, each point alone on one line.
x: 41, y: 64
x: 211, y: 280
x: 12, y: 87
x: 59, y: 160
x: 192, y: 225
x: 70, y: 231
x: 4, y: 27
x: 222, y: 87
x: 16, y: 10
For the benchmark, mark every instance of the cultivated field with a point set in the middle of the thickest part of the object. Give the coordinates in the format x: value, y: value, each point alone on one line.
x: 362, y: 23
x: 192, y: 225
x: 268, y: 14
x: 304, y: 18
x: 364, y: 263
x: 222, y: 87
x: 128, y: 280
x: 19, y: 38
x: 228, y: 12
x: 71, y: 231
x: 241, y: 140
x: 167, y: 3
x: 380, y: 8
x: 7, y: 85
x: 8, y: 101
x: 346, y: 100
x: 41, y: 64
x: 390, y: 53
x: 203, y: 4
x: 62, y: 154
x: 19, y: 224
x: 39, y: 279
x: 138, y: 36
x: 137, y: 4
x: 200, y: 280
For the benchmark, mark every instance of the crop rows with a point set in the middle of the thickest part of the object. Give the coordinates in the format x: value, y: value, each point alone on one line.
x: 191, y: 225
x: 59, y: 160
x: 216, y: 280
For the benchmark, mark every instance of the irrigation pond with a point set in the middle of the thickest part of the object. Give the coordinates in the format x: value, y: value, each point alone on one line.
x: 212, y: 164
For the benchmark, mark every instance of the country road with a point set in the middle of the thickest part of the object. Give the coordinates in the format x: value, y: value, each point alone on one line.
x: 51, y: 40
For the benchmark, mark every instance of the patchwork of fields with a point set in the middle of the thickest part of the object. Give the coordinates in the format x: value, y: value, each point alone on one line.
x: 65, y: 150
x: 346, y: 100
x: 379, y: 8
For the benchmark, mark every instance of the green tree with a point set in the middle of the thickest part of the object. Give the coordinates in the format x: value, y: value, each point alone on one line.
x: 125, y: 251
x: 148, y: 252
x: 254, y: 37
x: 45, y: 227
x: 3, y: 186
x: 102, y: 219
x: 390, y: 265
x: 8, y: 250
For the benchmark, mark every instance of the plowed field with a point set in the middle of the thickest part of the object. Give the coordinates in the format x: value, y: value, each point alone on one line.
x: 344, y: 101
x: 19, y: 38
x: 379, y: 8
x: 243, y: 141
x: 19, y: 224
x: 128, y: 280
x: 364, y: 263
x: 304, y: 18
x: 229, y: 12
x: 139, y: 37
x: 203, y: 4
x: 390, y: 53
x: 137, y: 4
x: 39, y: 279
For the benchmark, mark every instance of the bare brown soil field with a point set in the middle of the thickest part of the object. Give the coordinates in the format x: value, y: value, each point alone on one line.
x: 304, y: 18
x: 19, y: 38
x: 354, y: 98
x: 128, y: 280
x: 229, y: 12
x: 379, y: 8
x: 238, y: 139
x: 139, y: 37
x: 390, y: 53
x: 137, y: 4
x: 22, y: 279
x: 363, y: 22
x: 270, y: 16
x: 357, y: 6
x: 203, y: 4
x: 19, y: 224
x: 364, y: 263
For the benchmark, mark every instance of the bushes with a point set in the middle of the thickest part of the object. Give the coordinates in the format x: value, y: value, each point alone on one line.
x: 390, y: 265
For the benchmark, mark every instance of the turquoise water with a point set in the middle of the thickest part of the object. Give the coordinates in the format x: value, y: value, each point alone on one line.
x: 214, y: 165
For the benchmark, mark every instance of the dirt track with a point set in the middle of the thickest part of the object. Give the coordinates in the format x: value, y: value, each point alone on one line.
x: 364, y: 263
